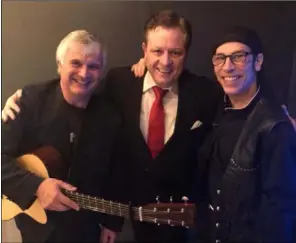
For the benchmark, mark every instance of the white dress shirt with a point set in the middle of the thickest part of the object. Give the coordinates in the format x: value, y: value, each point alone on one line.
x: 170, y: 104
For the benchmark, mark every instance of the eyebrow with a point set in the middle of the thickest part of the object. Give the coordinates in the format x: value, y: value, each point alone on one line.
x: 222, y: 53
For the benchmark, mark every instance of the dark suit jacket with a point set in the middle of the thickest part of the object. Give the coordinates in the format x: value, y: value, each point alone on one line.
x: 171, y: 172
x: 43, y: 121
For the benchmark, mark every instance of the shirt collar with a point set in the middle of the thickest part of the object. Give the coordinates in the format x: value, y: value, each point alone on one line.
x: 149, y: 83
x: 228, y: 106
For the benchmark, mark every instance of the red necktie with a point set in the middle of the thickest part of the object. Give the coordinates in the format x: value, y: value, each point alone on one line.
x: 156, y: 128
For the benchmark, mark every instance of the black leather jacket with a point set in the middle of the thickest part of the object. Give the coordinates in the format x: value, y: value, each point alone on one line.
x: 255, y: 200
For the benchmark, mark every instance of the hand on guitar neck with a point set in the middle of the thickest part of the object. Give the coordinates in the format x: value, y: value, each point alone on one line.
x: 51, y: 197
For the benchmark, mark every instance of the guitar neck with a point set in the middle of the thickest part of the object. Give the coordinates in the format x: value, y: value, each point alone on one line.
x: 142, y: 214
x: 174, y: 214
x: 103, y: 206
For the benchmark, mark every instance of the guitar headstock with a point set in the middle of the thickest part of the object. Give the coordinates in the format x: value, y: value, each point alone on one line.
x: 173, y: 214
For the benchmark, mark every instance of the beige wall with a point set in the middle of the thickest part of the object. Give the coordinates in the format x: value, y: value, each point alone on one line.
x: 10, y: 232
x: 31, y: 30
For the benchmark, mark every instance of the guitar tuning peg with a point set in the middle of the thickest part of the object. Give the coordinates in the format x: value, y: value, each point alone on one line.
x: 158, y: 224
x: 157, y: 199
x: 171, y: 199
x: 185, y: 199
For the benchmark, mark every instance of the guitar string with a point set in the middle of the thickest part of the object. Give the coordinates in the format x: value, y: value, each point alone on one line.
x: 123, y: 211
x: 106, y: 204
x: 120, y: 208
x: 120, y: 212
x: 91, y: 199
x: 116, y: 209
x: 95, y: 200
x: 100, y: 202
x: 146, y: 218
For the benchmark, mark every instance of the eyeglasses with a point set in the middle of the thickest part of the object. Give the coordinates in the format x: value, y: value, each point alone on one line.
x: 236, y: 58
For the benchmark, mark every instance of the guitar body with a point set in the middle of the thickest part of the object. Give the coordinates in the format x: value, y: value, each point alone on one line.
x: 34, y: 164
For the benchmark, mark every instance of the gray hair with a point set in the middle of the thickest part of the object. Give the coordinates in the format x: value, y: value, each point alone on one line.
x: 83, y: 37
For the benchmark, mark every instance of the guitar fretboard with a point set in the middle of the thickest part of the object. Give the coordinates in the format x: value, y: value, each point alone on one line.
x: 102, y: 205
x: 124, y: 210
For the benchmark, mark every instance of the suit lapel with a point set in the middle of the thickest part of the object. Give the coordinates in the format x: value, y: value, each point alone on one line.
x: 185, y: 113
x: 134, y: 98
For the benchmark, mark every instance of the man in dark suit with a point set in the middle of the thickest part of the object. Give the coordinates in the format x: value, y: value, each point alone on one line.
x: 55, y: 114
x: 166, y: 115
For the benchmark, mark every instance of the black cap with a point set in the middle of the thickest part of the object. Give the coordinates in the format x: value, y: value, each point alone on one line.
x: 243, y: 35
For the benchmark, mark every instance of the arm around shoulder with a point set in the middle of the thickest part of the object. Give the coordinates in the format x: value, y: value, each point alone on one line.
x: 17, y: 183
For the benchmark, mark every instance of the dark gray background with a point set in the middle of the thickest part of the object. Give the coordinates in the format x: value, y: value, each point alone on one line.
x: 31, y: 31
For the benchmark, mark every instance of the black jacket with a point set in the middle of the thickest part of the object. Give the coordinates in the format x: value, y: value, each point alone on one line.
x: 256, y: 197
x: 44, y: 120
x: 171, y: 172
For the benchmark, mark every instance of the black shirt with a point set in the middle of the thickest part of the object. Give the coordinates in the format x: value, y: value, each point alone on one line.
x: 46, y: 119
x: 73, y: 117
x: 228, y: 127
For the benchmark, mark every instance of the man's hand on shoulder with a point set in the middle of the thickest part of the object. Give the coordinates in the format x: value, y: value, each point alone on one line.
x: 11, y: 106
x: 139, y: 68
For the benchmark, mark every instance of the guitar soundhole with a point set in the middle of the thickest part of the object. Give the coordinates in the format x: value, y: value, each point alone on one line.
x: 52, y: 161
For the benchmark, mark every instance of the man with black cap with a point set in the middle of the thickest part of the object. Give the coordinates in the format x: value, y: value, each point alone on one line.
x: 249, y: 160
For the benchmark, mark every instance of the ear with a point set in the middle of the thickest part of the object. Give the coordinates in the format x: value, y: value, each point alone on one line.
x: 259, y: 61
x: 144, y: 48
x: 59, y: 67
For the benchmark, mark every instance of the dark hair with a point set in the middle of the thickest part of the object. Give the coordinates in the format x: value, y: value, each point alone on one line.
x: 243, y: 35
x: 169, y: 19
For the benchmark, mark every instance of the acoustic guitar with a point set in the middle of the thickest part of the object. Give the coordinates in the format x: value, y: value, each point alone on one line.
x: 174, y: 214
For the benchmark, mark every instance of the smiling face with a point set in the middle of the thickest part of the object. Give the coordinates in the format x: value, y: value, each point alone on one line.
x: 80, y: 70
x: 240, y: 77
x: 165, y: 53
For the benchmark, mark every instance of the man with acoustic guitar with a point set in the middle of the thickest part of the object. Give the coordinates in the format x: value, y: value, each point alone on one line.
x: 53, y: 114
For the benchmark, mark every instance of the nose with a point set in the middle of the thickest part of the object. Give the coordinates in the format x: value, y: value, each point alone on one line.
x: 83, y: 71
x: 228, y: 65
x: 166, y: 59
